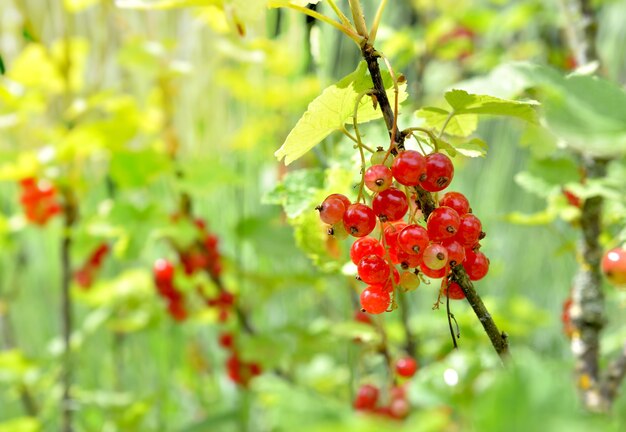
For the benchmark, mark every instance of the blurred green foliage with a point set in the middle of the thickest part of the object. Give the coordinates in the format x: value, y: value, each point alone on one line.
x: 98, y: 98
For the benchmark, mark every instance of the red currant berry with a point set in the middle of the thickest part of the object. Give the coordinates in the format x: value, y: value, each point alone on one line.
x: 375, y: 299
x: 177, y: 310
x: 406, y: 260
x: 399, y: 408
x: 390, y: 205
x: 359, y: 220
x: 163, y: 271
x: 452, y: 290
x: 366, y: 398
x: 457, y: 201
x: 408, y: 167
x: 381, y: 157
x: 456, y: 251
x: 391, y: 234
x: 435, y: 256
x: 469, y: 231
x: 409, y: 281
x: 434, y: 274
x: 413, y: 239
x: 373, y: 270
x: 344, y: 199
x: 362, y: 317
x: 226, y: 340
x: 378, y: 178
x: 406, y: 367
x: 442, y: 223
x: 439, y: 172
x: 476, y: 265
x: 338, y: 231
x: 614, y: 266
x: 365, y: 246
x: 331, y: 210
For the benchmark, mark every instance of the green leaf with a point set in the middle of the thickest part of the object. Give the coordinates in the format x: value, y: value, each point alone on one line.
x: 295, y: 192
x: 587, y: 113
x: 165, y: 4
x: 472, y: 148
x: 332, y: 110
x: 13, y: 366
x: 437, y: 118
x: 138, y: 168
x: 463, y: 102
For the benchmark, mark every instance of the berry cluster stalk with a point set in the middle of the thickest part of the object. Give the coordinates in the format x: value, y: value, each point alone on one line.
x: 498, y: 339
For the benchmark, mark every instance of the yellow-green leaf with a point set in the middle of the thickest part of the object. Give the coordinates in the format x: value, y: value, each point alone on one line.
x: 332, y: 110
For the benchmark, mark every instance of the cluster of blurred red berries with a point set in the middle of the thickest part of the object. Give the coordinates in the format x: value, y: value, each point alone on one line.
x: 86, y: 274
x: 39, y: 200
x: 239, y: 371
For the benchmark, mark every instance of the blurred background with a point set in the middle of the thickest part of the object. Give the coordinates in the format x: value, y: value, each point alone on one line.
x: 140, y: 115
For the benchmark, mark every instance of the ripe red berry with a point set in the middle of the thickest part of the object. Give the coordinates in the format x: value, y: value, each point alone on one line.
x: 452, y: 290
x: 442, y: 223
x: 390, y: 205
x: 177, y: 310
x: 359, y: 220
x: 469, y: 231
x: 434, y: 274
x: 406, y: 260
x: 399, y: 408
x: 455, y: 200
x: 614, y: 266
x: 408, y: 167
x: 226, y: 340
x: 406, y: 367
x: 362, y: 317
x: 373, y: 270
x: 476, y: 265
x: 344, y: 199
x: 435, y: 256
x: 378, y: 178
x: 439, y: 172
x: 331, y: 210
x: 456, y: 251
x: 365, y: 246
x: 413, y: 239
x: 366, y: 397
x: 375, y: 299
x: 163, y: 271
x: 391, y: 233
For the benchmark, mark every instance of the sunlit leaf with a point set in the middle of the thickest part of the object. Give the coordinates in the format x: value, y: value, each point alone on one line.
x: 332, y: 110
x: 437, y: 118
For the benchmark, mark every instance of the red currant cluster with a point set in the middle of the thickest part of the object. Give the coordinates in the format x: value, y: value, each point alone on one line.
x: 450, y: 236
x: 239, y: 371
x: 38, y: 200
x: 85, y: 275
x: 398, y: 407
x: 203, y: 254
x: 164, y: 280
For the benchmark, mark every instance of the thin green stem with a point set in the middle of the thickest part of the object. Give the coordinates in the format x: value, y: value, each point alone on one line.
x: 348, y: 31
x: 358, y: 17
x: 445, y: 124
x: 428, y: 132
x: 377, y: 18
x: 342, y: 17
